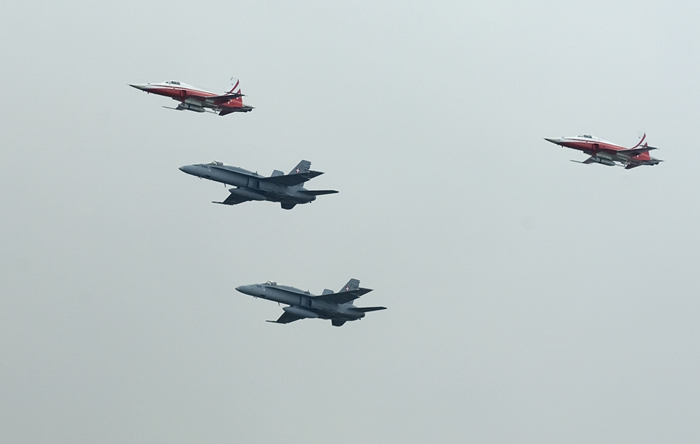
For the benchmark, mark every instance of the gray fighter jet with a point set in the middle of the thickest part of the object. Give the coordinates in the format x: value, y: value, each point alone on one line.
x: 338, y: 307
x: 287, y: 189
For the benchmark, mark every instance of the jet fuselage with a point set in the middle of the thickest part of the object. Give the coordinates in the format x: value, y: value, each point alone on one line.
x: 608, y: 153
x: 586, y: 143
x: 249, y: 183
x: 302, y: 303
x: 193, y: 98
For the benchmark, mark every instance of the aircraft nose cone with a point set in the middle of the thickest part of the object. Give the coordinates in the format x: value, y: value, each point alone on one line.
x: 245, y: 289
x: 141, y: 87
x: 189, y: 169
x: 556, y: 141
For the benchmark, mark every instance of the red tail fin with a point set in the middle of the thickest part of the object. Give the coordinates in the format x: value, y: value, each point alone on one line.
x: 238, y: 101
x: 234, y: 86
x: 640, y: 141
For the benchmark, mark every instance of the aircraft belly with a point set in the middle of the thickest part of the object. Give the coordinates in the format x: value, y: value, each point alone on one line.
x: 300, y: 197
x: 327, y: 310
x: 351, y: 315
x: 197, y: 102
x: 271, y: 189
x: 301, y: 312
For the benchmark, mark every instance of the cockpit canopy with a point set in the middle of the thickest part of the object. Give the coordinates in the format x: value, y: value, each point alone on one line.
x: 588, y: 136
x: 172, y: 82
x: 270, y: 283
x: 216, y: 162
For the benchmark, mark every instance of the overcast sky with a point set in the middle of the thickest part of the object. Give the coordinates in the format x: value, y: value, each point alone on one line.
x: 530, y: 299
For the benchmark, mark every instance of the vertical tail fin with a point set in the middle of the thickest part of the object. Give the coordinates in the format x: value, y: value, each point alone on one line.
x: 302, y: 167
x: 644, y: 136
x: 235, y: 82
x: 353, y: 284
x: 235, y: 90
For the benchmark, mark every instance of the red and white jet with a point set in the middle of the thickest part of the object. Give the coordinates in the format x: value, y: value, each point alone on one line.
x: 608, y: 153
x: 197, y: 100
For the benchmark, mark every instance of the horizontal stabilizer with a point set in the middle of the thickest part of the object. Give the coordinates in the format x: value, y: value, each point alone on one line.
x: 226, y: 110
x: 635, y: 163
x: 320, y: 192
x: 368, y: 309
x: 292, y: 179
x: 344, y: 296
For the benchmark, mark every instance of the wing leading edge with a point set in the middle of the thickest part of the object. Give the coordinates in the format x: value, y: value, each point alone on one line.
x: 286, y: 318
x: 344, y: 296
x: 223, y: 98
x: 635, y: 151
x: 233, y: 199
x: 292, y: 179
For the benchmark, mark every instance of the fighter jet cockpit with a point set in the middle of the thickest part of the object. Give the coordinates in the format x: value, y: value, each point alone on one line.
x: 172, y: 82
x: 588, y: 136
x: 216, y: 163
x: 270, y: 283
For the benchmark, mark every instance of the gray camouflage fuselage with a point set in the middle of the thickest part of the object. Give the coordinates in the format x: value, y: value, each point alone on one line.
x: 250, y: 181
x: 303, y: 304
x: 288, y: 190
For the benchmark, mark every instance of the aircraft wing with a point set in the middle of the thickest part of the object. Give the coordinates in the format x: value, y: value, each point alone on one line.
x: 223, y: 98
x: 233, y: 200
x: 368, y: 309
x: 292, y: 179
x: 628, y: 152
x: 344, y: 296
x: 635, y: 151
x: 587, y: 161
x: 320, y: 192
x: 286, y: 318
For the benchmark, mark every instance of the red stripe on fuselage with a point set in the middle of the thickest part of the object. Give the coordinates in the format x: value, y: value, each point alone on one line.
x: 169, y: 91
x: 591, y: 146
x: 182, y: 94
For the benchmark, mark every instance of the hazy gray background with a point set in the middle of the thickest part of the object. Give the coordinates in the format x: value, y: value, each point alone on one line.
x: 531, y: 299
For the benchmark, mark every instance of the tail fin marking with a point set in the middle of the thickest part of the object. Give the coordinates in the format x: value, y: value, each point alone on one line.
x: 353, y: 284
x: 302, y: 167
x: 644, y: 136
